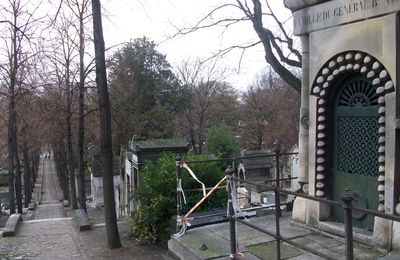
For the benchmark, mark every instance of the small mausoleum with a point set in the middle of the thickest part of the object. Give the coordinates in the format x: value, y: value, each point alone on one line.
x: 258, y: 167
x: 136, y: 154
x: 97, y: 183
x: 350, y: 113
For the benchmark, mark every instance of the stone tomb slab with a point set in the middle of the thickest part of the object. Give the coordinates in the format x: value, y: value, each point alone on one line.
x: 202, y: 243
x: 268, y: 251
x: 11, y: 225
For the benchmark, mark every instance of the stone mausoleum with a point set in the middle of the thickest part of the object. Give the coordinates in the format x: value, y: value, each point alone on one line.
x: 350, y: 113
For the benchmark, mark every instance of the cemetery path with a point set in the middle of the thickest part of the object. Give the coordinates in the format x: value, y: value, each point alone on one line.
x: 50, y: 234
x: 49, y: 205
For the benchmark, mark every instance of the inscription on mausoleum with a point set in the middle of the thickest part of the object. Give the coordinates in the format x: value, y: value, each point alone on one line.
x: 338, y: 12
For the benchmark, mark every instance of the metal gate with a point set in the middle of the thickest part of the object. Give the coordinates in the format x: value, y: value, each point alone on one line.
x: 355, y: 147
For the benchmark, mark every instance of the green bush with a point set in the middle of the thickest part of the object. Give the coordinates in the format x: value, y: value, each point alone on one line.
x: 152, y: 223
x: 221, y: 142
x: 209, y: 174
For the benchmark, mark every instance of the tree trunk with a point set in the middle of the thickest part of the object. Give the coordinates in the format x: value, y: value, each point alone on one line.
x: 56, y: 159
x: 113, y: 239
x: 60, y: 173
x: 193, y: 140
x: 11, y: 187
x: 11, y: 148
x: 65, y: 173
x: 71, y: 168
x: 27, y: 176
x: 18, y: 181
x: 36, y: 160
x: 266, y: 38
x: 81, y: 128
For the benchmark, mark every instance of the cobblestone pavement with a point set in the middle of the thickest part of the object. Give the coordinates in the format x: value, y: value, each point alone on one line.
x: 59, y: 239
x: 51, y: 235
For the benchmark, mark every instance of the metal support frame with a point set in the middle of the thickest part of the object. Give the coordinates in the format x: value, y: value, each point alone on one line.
x: 178, y: 194
x: 347, y: 197
x: 232, y: 228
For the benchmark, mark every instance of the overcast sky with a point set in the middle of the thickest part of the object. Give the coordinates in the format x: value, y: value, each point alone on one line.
x: 158, y: 19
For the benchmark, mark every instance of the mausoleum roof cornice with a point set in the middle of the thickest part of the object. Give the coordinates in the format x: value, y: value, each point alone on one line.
x: 295, y: 5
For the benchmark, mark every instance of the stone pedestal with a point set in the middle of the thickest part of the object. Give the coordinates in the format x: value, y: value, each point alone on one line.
x: 299, y: 210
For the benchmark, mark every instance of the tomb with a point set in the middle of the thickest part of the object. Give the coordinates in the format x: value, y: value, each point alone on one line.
x: 350, y: 112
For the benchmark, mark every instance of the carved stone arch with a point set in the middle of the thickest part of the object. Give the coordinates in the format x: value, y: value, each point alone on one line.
x: 349, y: 62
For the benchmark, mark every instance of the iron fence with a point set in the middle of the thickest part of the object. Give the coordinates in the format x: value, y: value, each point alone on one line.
x: 346, y: 204
x: 231, y: 183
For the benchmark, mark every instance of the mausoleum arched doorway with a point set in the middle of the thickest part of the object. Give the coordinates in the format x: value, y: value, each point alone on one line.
x: 354, y: 121
x: 350, y: 121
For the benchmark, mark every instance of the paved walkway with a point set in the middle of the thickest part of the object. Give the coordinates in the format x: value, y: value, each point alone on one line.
x: 50, y: 205
x: 49, y: 234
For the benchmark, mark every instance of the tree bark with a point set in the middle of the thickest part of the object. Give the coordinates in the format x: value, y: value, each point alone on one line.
x: 27, y: 176
x: 70, y: 152
x: 65, y: 172
x: 58, y: 158
x: 266, y: 37
x: 11, y: 185
x: 113, y: 239
x: 18, y: 181
x: 81, y: 127
x: 70, y: 156
x: 12, y: 129
x: 34, y: 169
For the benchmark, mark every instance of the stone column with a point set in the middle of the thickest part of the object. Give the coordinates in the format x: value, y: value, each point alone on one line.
x: 304, y: 114
x: 299, y: 207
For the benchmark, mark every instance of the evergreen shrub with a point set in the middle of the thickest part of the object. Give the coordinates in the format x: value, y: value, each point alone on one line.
x: 152, y: 221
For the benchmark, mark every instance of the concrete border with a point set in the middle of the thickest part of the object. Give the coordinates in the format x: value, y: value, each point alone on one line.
x: 82, y: 220
x: 11, y: 225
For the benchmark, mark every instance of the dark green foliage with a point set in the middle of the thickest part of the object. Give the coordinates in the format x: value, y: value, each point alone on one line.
x: 157, y: 195
x: 143, y: 91
x: 221, y: 142
x: 151, y: 222
x: 156, y: 123
x: 209, y: 174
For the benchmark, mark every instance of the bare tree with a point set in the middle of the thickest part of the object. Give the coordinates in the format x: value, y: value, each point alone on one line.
x: 269, y: 114
x: 205, y: 82
x: 113, y: 239
x: 53, y: 108
x: 18, y: 30
x: 277, y: 42
x: 81, y: 11
x: 30, y: 124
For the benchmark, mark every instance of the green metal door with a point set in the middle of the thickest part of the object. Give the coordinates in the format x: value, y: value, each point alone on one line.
x: 355, y: 147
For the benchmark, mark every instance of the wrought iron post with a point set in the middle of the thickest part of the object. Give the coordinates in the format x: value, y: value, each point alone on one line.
x: 232, y: 228
x: 277, y: 225
x: 347, y: 197
x: 278, y: 182
x: 277, y: 166
x: 178, y: 194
